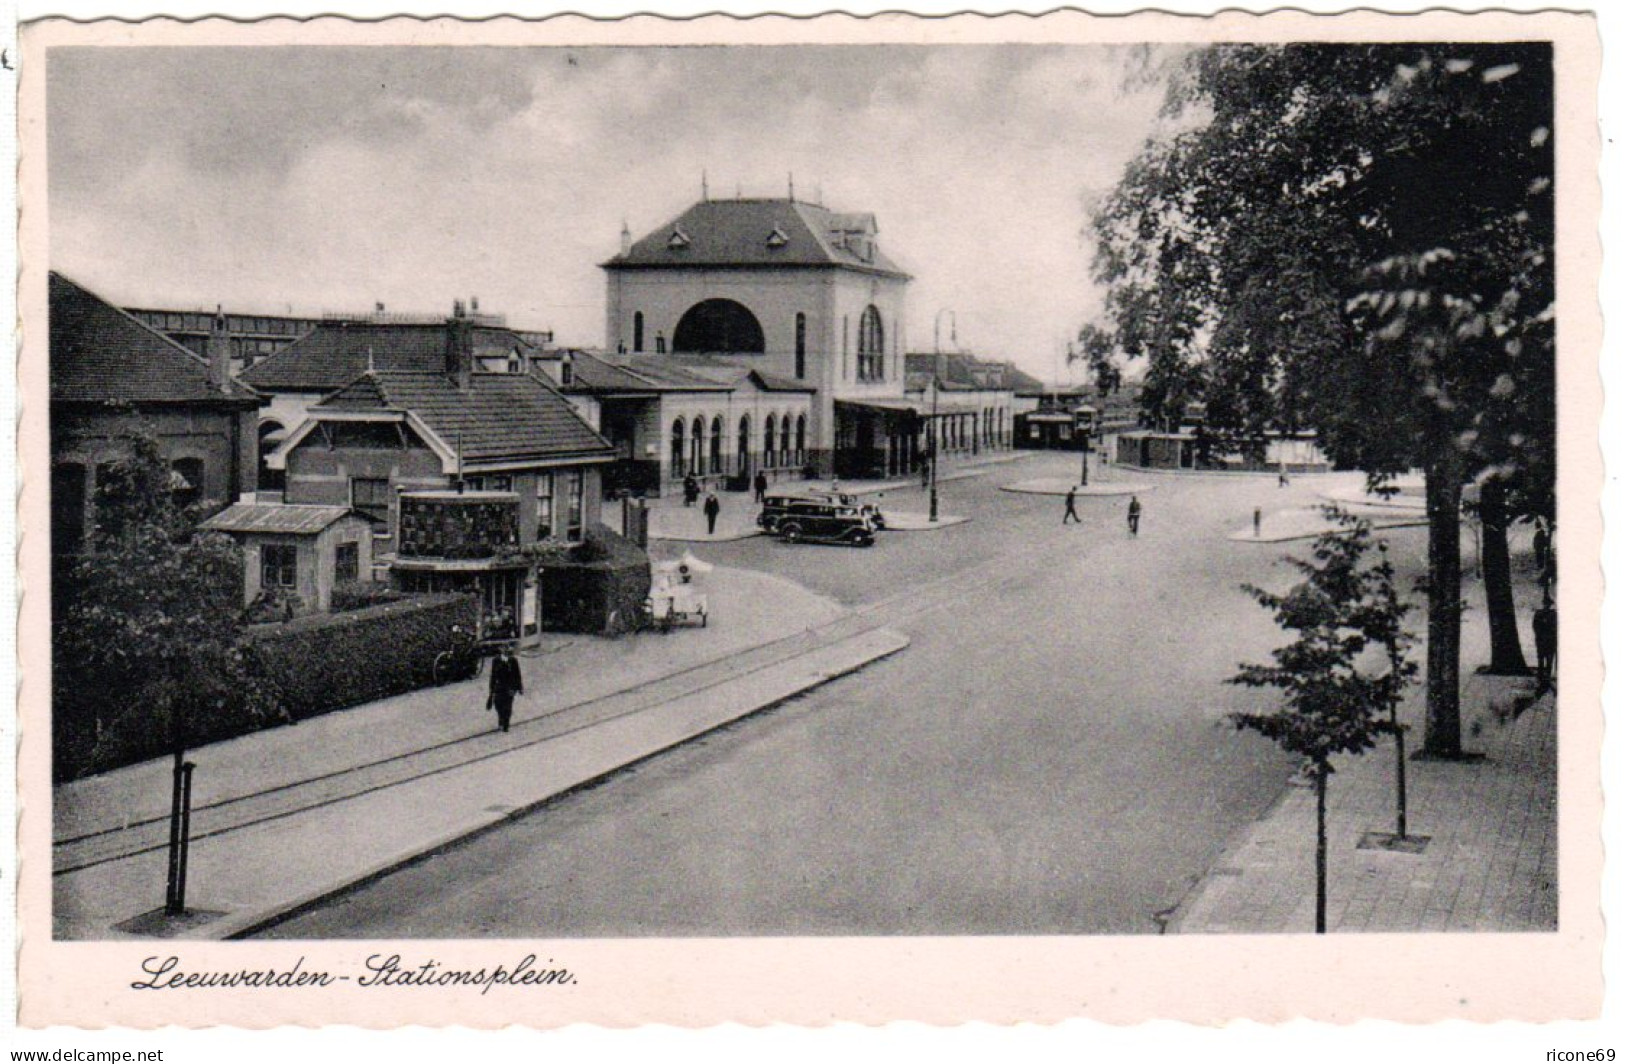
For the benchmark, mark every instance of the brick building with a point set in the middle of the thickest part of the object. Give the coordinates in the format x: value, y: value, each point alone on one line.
x: 468, y: 473
x: 112, y: 377
x: 334, y: 353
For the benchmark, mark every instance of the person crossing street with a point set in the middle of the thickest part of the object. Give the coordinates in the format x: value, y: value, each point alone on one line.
x: 1071, y: 507
x: 1134, y: 515
x: 506, y: 682
x: 713, y: 507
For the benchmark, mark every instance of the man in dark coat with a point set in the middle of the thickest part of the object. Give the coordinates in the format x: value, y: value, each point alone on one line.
x: 1071, y: 507
x: 1545, y: 643
x: 760, y: 484
x: 691, y: 489
x: 1134, y: 515
x: 712, y: 509
x: 505, y: 683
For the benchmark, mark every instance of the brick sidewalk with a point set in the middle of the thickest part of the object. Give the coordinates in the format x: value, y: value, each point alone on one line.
x: 1490, y: 864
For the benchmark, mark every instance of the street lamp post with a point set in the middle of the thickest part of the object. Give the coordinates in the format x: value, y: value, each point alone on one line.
x: 932, y: 437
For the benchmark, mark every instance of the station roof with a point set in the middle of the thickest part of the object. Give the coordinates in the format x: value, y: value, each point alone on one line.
x: 761, y: 233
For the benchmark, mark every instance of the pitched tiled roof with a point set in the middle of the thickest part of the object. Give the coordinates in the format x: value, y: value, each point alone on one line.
x: 594, y: 374
x: 667, y: 374
x: 500, y: 417
x: 335, y: 354
x: 283, y: 518
x: 731, y: 373
x: 100, y: 354
x: 761, y: 232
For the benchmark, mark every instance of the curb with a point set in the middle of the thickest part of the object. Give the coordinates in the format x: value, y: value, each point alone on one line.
x: 1098, y: 491
x: 1279, y: 537
x: 884, y: 643
x: 733, y: 538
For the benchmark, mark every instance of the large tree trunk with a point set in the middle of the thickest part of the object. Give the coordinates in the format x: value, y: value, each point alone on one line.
x: 1506, y: 651
x: 1441, y: 735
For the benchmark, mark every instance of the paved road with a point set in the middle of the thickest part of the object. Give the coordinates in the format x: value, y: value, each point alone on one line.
x: 1047, y: 757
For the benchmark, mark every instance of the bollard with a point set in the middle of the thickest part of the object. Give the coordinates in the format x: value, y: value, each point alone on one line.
x: 1258, y: 520
x: 186, y: 831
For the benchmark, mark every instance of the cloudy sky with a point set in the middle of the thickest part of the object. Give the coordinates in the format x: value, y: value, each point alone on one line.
x: 309, y: 179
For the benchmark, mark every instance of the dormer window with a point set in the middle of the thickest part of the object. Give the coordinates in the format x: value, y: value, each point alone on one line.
x: 777, y: 239
x: 678, y: 239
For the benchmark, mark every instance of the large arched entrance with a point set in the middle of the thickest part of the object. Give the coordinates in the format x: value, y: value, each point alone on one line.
x: 719, y: 325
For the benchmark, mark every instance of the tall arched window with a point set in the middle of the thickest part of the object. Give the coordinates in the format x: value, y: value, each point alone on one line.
x: 716, y: 444
x: 719, y: 325
x: 801, y: 439
x: 677, y: 451
x: 697, y: 445
x: 784, y: 440
x: 637, y: 331
x: 744, y: 445
x: 769, y: 428
x: 801, y: 346
x: 871, y: 346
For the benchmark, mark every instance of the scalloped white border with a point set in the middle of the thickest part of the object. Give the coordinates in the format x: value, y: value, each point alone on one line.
x: 1031, y: 957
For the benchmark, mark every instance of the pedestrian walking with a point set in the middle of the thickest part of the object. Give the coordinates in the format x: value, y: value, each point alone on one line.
x: 1542, y: 545
x: 691, y: 489
x: 1258, y: 520
x: 1071, y: 507
x: 1281, y: 480
x: 506, y: 682
x: 713, y: 507
x: 760, y: 484
x: 1134, y: 515
x: 1545, y: 644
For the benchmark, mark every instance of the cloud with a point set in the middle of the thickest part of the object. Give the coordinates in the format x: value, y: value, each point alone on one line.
x: 333, y: 178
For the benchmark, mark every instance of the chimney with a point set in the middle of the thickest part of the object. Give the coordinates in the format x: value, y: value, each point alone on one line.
x: 459, y: 347
x: 219, y: 353
x: 473, y: 305
x: 626, y: 238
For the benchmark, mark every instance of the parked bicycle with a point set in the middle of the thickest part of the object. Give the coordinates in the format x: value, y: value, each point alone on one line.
x: 465, y: 658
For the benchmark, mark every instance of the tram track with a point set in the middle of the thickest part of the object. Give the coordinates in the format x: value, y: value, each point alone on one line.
x: 244, y: 811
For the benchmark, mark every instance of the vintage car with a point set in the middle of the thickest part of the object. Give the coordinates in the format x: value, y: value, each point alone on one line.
x: 868, y: 509
x: 776, y: 505
x: 803, y: 518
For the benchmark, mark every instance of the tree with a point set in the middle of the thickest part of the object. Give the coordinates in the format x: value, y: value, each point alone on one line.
x: 1096, y: 349
x: 1309, y: 250
x: 145, y: 628
x: 1334, y: 703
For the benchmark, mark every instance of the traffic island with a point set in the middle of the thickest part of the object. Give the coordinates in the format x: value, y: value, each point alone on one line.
x: 1282, y: 526
x: 911, y: 521
x: 1064, y: 486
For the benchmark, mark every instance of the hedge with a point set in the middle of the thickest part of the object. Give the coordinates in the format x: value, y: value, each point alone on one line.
x: 607, y: 574
x: 324, y: 662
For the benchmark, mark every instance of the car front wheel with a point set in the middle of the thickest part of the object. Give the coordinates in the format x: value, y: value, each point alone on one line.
x: 790, y: 533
